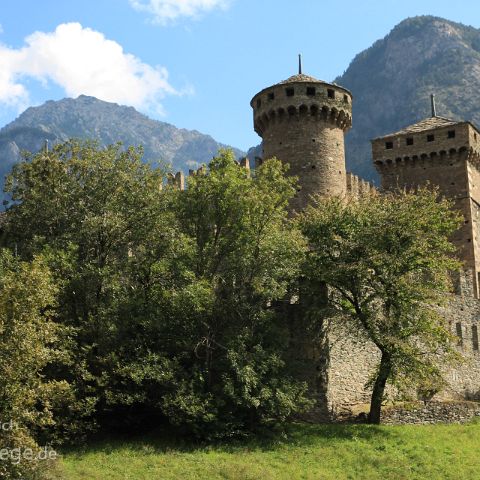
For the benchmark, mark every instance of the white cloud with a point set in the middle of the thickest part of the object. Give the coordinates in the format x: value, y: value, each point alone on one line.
x: 167, y: 11
x: 81, y: 61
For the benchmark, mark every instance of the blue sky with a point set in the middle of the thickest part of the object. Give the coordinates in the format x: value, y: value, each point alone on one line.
x: 193, y: 63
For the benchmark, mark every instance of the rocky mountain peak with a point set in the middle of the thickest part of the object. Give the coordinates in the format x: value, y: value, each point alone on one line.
x: 89, y: 117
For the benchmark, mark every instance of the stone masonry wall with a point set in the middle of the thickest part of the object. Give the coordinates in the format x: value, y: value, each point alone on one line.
x: 353, y: 358
x: 449, y: 173
x: 463, y: 316
x: 431, y: 412
x: 319, y: 150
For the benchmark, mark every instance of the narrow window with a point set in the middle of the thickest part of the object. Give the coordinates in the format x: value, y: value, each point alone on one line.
x: 271, y: 96
x: 331, y: 93
x: 409, y: 141
x: 345, y: 98
x: 311, y: 91
x: 451, y: 134
x: 458, y: 327
x: 430, y: 138
x: 259, y: 103
x: 475, y: 337
x: 388, y: 145
x: 290, y: 92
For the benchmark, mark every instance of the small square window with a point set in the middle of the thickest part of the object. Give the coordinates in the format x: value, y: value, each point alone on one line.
x: 345, y: 98
x: 290, y: 92
x: 409, y: 141
x: 451, y: 134
x: 331, y: 93
x: 271, y: 96
x: 311, y: 91
x: 388, y: 145
x: 259, y: 103
x: 430, y: 138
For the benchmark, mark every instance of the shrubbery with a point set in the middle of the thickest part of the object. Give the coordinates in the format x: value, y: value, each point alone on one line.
x: 165, y: 297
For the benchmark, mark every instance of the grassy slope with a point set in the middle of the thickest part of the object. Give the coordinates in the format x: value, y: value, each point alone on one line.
x: 310, y: 452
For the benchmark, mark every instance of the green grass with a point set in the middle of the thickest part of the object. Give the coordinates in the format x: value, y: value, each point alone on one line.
x: 320, y: 452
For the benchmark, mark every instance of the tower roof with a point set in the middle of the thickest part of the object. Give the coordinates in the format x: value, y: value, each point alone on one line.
x: 430, y: 123
x: 300, y: 77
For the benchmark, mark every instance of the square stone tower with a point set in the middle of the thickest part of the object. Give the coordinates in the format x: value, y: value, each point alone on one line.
x: 445, y: 153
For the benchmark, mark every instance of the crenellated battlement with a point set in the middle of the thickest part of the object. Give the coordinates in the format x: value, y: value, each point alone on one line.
x: 434, y: 139
x: 427, y: 160
x: 180, y: 182
x: 302, y: 96
x: 332, y: 114
x: 358, y: 187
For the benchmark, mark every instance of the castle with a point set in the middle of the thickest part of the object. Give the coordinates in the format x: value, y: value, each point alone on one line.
x: 302, y: 121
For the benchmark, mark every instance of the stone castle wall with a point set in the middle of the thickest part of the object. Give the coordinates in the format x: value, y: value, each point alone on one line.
x: 463, y: 316
x: 448, y: 171
x: 353, y: 358
x: 315, y: 173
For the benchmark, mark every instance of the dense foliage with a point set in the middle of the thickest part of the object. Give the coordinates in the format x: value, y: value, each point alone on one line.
x: 167, y: 295
x: 30, y: 341
x: 386, y: 259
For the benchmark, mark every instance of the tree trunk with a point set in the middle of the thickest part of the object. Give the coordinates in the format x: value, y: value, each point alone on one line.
x: 379, y: 388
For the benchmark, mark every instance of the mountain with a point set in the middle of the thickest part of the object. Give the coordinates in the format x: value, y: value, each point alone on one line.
x: 88, y: 117
x: 392, y: 81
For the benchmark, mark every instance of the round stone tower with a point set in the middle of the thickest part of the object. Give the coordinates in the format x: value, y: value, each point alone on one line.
x: 302, y: 122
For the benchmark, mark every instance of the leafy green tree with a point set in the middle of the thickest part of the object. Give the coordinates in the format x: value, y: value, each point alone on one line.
x: 169, y: 294
x: 215, y: 362
x: 386, y: 260
x: 98, y: 217
x: 29, y: 342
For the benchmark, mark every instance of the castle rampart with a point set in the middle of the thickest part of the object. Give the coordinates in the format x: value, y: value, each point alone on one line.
x: 357, y: 187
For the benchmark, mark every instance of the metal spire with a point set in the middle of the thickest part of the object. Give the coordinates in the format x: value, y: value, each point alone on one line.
x: 299, y: 63
x: 434, y: 109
